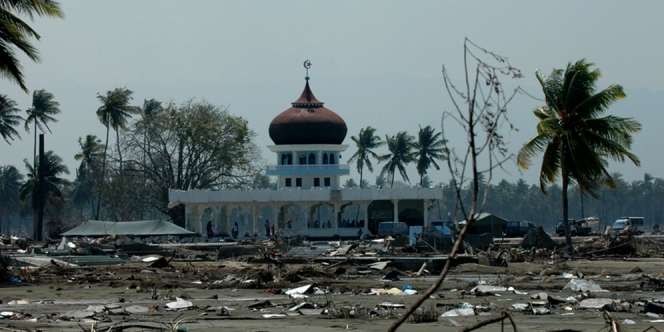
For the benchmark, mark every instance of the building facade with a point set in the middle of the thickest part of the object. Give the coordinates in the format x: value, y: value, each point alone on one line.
x: 309, y: 200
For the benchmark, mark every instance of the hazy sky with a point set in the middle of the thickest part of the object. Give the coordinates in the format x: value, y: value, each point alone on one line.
x: 374, y: 62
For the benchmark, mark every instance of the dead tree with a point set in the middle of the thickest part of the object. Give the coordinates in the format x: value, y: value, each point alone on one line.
x: 480, y: 110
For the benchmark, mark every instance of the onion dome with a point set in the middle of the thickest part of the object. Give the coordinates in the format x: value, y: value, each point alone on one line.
x: 307, y: 122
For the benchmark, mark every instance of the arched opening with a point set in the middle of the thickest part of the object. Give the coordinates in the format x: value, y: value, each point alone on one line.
x: 331, y: 159
x: 325, y: 159
x: 312, y: 159
x: 207, y: 225
x: 352, y: 216
x: 380, y: 211
x: 291, y: 219
x: 239, y: 224
x: 322, y: 216
x: 411, y: 212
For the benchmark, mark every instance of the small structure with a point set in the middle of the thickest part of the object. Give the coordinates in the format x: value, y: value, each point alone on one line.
x: 98, y: 228
x: 485, y: 228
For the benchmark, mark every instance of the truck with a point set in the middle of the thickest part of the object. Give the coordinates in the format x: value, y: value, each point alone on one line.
x: 628, y: 224
x: 580, y: 227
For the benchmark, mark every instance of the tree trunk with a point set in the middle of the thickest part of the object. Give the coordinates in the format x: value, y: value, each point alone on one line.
x: 117, y: 144
x: 34, y: 146
x: 40, y: 193
x: 568, y: 233
x: 103, y: 175
x: 361, y: 171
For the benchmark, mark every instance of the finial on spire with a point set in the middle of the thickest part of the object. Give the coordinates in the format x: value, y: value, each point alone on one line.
x: 307, y: 65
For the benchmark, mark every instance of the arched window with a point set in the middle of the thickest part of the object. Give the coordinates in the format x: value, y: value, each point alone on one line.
x: 332, y: 161
x: 324, y: 158
x: 284, y: 159
x: 312, y: 159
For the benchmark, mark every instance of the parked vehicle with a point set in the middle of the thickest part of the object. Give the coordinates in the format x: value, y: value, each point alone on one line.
x: 628, y: 224
x: 581, y: 227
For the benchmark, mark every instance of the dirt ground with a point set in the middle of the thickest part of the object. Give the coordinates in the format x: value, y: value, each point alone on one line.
x: 49, y: 294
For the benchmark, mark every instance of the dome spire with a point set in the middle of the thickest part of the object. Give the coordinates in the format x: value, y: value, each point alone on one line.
x: 307, y: 99
x: 307, y: 65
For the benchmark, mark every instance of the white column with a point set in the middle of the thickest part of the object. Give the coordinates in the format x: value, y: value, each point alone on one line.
x: 335, y: 225
x: 395, y: 203
x: 366, y: 218
x: 425, y: 214
x: 275, y: 217
x: 307, y: 215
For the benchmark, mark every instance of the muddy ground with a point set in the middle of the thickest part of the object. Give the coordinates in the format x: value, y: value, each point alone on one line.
x: 51, y: 295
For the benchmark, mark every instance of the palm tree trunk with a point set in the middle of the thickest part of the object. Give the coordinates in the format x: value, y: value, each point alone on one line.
x: 361, y: 171
x: 34, y: 146
x: 103, y: 175
x: 117, y: 144
x: 568, y: 233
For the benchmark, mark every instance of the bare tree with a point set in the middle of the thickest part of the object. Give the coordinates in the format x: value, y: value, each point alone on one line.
x: 480, y: 110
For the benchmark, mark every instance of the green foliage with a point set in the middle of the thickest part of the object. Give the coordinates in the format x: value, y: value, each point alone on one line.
x: 429, y: 150
x: 9, y: 119
x: 576, y: 137
x: 10, y: 185
x: 365, y: 143
x: 400, y: 154
x: 43, y: 110
x: 53, y: 184
x: 16, y: 34
x: 192, y: 146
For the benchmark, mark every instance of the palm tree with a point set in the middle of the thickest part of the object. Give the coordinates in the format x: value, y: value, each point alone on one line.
x: 10, y: 184
x: 44, y: 109
x: 16, y: 34
x: 87, y: 174
x: 365, y: 142
x: 114, y: 112
x: 42, y: 192
x: 9, y: 119
x: 429, y: 149
x: 576, y: 136
x: 401, y: 153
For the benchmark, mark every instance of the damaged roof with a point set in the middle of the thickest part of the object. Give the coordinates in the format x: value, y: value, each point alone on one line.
x: 127, y: 228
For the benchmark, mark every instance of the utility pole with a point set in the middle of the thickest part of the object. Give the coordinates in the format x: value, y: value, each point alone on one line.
x: 39, y: 199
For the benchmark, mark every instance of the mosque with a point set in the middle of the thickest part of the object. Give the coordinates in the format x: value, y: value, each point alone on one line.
x: 309, y: 200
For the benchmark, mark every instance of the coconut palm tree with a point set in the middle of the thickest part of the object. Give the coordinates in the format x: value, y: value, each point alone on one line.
x: 87, y: 174
x: 15, y: 34
x: 365, y: 142
x: 9, y: 119
x: 114, y: 112
x: 10, y: 184
x: 51, y: 188
x: 43, y: 110
x: 576, y: 135
x: 401, y: 153
x: 429, y: 149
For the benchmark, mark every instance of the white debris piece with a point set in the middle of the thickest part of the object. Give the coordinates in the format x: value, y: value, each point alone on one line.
x: 583, y: 285
x: 595, y: 303
x: 294, y: 292
x: 628, y: 322
x: 272, y: 316
x: 179, y: 304
x: 459, y: 312
x: 487, y: 289
x: 519, y: 306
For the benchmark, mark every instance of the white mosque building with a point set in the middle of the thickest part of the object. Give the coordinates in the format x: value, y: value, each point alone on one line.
x: 309, y: 200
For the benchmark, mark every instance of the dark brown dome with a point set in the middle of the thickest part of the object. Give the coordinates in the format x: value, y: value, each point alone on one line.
x: 308, y: 122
